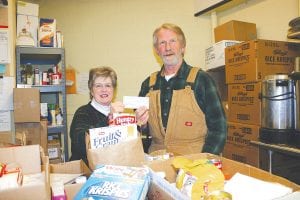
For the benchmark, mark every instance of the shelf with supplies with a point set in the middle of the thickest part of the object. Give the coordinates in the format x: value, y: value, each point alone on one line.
x: 43, y: 68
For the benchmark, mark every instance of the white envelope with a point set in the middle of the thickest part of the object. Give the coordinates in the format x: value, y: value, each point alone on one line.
x: 135, y: 102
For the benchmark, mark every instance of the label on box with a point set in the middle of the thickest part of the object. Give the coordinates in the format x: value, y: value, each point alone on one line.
x: 122, y: 119
x: 53, y: 153
x: 215, y: 55
x: 116, y: 182
x: 106, y: 136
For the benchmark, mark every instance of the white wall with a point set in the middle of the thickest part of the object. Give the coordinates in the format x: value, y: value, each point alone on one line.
x: 118, y: 33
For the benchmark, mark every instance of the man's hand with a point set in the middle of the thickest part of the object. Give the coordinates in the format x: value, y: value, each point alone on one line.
x: 142, y: 115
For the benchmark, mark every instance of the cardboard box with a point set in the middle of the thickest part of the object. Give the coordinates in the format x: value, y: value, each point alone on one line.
x: 27, y: 24
x: 241, y: 134
x: 244, y: 103
x: 6, y: 138
x: 160, y: 189
x: 26, y: 105
x: 251, y: 61
x: 30, y: 133
x: 235, y: 30
x: 218, y: 75
x: 215, y: 55
x: 29, y: 158
x: 72, y: 167
x: 47, y: 32
x: 26, y: 8
x: 116, y: 182
x: 4, y: 17
x: 241, y: 153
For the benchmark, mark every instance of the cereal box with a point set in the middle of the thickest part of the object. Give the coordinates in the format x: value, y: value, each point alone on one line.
x: 47, y: 32
x: 116, y: 182
x: 106, y: 136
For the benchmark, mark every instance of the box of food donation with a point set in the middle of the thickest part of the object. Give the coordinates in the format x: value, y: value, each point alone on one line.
x: 34, y: 180
x: 215, y: 55
x: 163, y: 189
x: 235, y: 30
x: 26, y: 105
x: 69, y: 172
x: 244, y: 103
x: 251, y: 61
x: 116, y: 182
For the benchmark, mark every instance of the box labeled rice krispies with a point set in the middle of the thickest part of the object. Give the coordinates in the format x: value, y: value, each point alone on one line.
x: 116, y: 182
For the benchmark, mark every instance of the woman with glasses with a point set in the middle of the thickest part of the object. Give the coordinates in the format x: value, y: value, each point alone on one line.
x: 102, y: 84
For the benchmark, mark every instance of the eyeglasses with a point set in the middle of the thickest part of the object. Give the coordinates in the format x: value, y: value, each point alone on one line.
x: 170, y: 42
x: 101, y: 86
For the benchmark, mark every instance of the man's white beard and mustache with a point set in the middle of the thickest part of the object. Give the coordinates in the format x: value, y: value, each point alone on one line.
x: 172, y: 59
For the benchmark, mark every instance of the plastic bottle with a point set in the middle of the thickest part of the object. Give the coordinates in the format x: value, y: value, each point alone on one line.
x: 59, y: 118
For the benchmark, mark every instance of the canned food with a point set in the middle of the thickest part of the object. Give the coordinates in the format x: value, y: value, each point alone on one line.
x: 218, y: 195
x: 55, y: 79
x: 217, y: 162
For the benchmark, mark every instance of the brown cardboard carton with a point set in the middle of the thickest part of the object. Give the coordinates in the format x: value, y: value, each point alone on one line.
x: 235, y: 30
x: 160, y: 189
x: 242, y: 153
x: 72, y: 167
x: 244, y: 103
x: 4, y: 16
x: 32, y: 133
x: 26, y: 105
x: 5, y: 138
x: 242, y: 134
x: 251, y: 61
x: 218, y: 75
x: 29, y: 158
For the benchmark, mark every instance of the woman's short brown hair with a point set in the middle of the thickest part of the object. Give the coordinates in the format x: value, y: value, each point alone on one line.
x: 101, y: 72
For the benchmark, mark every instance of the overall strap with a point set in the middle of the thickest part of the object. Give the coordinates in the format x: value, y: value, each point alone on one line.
x: 192, y: 75
x: 152, y: 80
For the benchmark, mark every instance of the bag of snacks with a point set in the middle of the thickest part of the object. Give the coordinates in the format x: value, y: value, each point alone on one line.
x: 197, y: 178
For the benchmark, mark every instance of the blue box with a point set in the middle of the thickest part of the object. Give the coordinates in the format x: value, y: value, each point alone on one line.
x: 116, y: 182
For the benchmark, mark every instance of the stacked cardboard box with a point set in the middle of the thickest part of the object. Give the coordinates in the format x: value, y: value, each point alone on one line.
x: 247, y: 64
x: 27, y: 22
x: 29, y: 128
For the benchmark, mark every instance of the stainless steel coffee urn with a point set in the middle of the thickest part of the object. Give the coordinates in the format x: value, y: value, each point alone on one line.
x: 278, y: 109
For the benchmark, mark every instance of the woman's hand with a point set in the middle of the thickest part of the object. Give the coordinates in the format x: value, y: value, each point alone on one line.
x: 142, y: 115
x: 117, y: 107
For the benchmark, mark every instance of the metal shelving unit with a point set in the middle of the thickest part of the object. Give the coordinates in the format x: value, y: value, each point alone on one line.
x: 44, y: 58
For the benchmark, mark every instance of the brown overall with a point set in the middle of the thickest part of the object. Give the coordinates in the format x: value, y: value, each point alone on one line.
x: 186, y: 128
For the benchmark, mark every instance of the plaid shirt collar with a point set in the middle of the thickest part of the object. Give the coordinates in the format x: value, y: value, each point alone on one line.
x: 180, y: 73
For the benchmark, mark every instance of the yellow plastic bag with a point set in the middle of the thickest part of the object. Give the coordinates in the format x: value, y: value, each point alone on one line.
x: 197, y: 178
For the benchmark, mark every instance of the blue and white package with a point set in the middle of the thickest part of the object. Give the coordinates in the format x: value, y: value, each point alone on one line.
x: 116, y: 182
